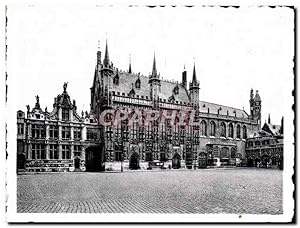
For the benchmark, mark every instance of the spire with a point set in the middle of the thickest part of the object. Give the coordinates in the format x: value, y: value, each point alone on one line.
x: 129, y: 70
x: 184, y: 82
x: 154, y: 71
x: 269, y: 119
x: 98, y: 53
x: 194, y: 74
x: 106, y: 57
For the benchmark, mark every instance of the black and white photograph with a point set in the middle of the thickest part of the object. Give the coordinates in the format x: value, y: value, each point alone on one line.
x: 150, y: 113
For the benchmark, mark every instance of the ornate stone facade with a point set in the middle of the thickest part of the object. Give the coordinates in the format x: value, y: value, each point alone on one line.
x: 64, y: 141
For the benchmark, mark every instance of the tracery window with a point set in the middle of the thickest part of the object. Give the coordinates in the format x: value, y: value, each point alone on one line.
x: 203, y: 128
x: 223, y: 130
x: 212, y: 128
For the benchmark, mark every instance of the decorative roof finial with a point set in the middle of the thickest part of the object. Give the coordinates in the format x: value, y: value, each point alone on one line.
x: 129, y: 70
x: 98, y: 45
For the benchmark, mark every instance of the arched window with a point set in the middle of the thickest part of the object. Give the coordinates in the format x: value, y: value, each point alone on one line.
x: 244, y: 132
x: 238, y: 131
x: 212, y: 128
x: 230, y: 130
x: 203, y: 129
x: 223, y: 130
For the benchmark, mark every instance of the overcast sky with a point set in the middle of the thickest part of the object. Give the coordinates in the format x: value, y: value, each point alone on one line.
x: 234, y: 50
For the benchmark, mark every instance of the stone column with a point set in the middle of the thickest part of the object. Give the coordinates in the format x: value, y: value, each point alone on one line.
x: 82, y: 153
x: 59, y: 113
x: 71, y: 114
x: 83, y: 133
x: 72, y: 151
x: 59, y: 151
x: 72, y: 133
x: 47, y: 131
x: 29, y: 147
x: 29, y: 131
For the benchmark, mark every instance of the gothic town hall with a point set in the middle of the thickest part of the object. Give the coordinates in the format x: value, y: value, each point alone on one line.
x: 64, y: 140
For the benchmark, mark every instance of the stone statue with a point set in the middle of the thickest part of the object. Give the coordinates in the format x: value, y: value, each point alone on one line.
x: 37, y: 99
x: 46, y: 109
x: 65, y: 86
x: 28, y: 108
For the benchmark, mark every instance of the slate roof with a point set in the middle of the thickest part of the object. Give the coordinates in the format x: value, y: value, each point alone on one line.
x: 127, y: 82
x: 272, y: 128
x: 213, y: 108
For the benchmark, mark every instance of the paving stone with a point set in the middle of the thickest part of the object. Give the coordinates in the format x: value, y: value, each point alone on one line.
x: 237, y: 191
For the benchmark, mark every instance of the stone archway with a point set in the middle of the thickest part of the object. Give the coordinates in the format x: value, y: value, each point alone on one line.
x: 134, y: 161
x: 265, y: 160
x: 176, y: 161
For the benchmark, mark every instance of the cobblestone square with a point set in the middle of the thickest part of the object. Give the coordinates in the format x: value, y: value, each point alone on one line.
x: 236, y: 190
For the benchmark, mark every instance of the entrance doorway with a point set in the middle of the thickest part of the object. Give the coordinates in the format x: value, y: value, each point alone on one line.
x: 21, y: 161
x: 176, y: 161
x: 250, y: 162
x: 202, y: 160
x: 94, y: 159
x: 134, y: 161
x: 77, y: 163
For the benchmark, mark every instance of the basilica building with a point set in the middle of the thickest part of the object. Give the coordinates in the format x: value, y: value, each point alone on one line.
x: 63, y: 140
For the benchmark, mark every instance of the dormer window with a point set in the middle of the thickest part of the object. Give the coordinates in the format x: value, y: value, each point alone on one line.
x: 176, y: 90
x: 37, y: 116
x: 138, y: 83
x: 116, y: 79
x: 131, y: 93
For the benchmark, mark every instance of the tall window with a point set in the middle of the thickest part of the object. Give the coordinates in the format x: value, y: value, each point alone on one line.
x: 53, y: 131
x: 66, y: 153
x: 20, y: 129
x: 38, y: 151
x: 92, y: 135
x: 65, y: 114
x: 53, y: 152
x: 238, y: 131
x: 77, y: 133
x: 77, y: 150
x: 212, y: 128
x: 230, y: 130
x: 244, y: 132
x: 65, y: 132
x: 223, y: 130
x: 118, y: 152
x: 203, y: 130
x: 38, y: 131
